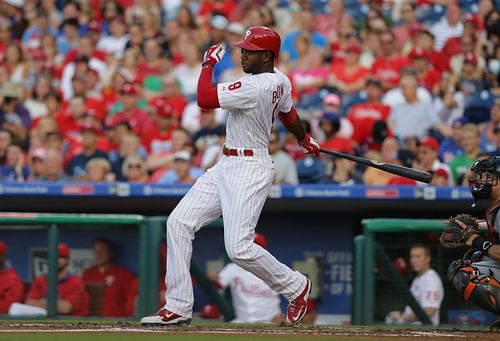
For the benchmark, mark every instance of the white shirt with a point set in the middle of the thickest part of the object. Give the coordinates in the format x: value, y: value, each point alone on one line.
x: 188, y: 77
x: 253, y: 300
x: 254, y: 102
x: 395, y: 96
x: 428, y: 291
x: 442, y: 31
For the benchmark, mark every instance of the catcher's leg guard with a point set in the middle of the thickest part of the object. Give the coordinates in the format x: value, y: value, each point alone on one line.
x: 482, y: 290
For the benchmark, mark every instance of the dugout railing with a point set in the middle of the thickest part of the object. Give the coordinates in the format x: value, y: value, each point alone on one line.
x: 151, y: 233
x: 378, y: 287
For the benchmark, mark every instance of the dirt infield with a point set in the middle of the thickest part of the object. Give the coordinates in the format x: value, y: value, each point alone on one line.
x: 257, y: 331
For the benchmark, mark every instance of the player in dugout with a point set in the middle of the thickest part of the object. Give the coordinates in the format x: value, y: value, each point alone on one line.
x: 477, y: 275
x: 11, y: 285
x: 238, y: 185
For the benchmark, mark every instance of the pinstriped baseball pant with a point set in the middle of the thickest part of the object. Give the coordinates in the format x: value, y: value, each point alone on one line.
x: 237, y: 188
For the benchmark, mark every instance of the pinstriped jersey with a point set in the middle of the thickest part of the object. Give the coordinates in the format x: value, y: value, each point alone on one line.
x: 253, y: 103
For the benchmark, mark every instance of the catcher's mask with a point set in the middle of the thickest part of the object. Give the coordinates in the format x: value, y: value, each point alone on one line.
x: 485, y: 176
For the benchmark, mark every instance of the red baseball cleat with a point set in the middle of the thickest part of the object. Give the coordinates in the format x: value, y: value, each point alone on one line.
x: 298, y: 307
x: 164, y: 318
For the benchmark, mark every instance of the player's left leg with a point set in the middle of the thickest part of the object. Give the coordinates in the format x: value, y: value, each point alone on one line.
x: 244, y: 190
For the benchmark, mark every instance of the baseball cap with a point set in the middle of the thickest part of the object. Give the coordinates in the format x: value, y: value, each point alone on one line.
x: 236, y: 28
x: 418, y: 53
x: 37, y: 54
x: 183, y: 155
x: 332, y: 99
x: 128, y: 89
x: 331, y: 116
x: 3, y: 247
x: 261, y: 240
x: 470, y: 18
x: 430, y: 142
x: 219, y: 22
x: 471, y: 58
x: 442, y: 172
x: 94, y: 26
x: 39, y: 153
x: 210, y: 311
x: 89, y: 127
x: 63, y: 250
x: 161, y: 107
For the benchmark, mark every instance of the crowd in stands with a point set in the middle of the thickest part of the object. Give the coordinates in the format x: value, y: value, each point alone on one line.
x: 100, y: 90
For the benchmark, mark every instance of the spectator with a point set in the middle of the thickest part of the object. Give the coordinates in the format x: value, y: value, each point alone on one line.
x: 114, y: 43
x: 344, y: 173
x: 5, y: 141
x: 209, y: 132
x: 348, y: 76
x: 426, y: 75
x: 130, y: 144
x: 427, y: 156
x: 98, y: 170
x: 451, y: 146
x: 387, y: 67
x: 180, y: 140
x: 72, y: 298
x: 252, y: 299
x: 330, y: 125
x: 427, y: 288
x: 285, y: 171
x: 37, y: 164
x: 470, y: 142
x: 154, y: 62
x: 14, y: 168
x: 307, y: 23
x: 19, y: 121
x: 396, y: 97
x: 448, y: 101
x: 328, y: 24
x: 389, y: 154
x: 182, y: 171
x: 333, y: 103
x: 471, y: 79
x: 36, y: 103
x: 11, y: 285
x: 114, y: 279
x: 404, y: 30
x: 134, y: 169
x: 187, y: 72
x: 363, y: 116
x: 14, y: 58
x: 413, y: 117
x: 467, y: 45
x: 54, y: 170
x: 159, y: 139
x: 440, y: 177
x: 450, y: 26
x: 77, y: 165
x: 70, y: 37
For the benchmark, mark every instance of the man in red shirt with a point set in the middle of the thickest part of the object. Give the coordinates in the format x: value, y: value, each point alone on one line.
x: 427, y: 76
x: 116, y: 281
x: 364, y: 115
x: 140, y: 121
x: 72, y: 298
x: 158, y: 140
x: 387, y: 67
x: 11, y: 285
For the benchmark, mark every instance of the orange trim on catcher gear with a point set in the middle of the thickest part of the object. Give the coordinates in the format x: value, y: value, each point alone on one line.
x: 468, y: 290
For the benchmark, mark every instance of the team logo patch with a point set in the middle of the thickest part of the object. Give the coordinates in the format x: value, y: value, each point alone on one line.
x: 247, y: 34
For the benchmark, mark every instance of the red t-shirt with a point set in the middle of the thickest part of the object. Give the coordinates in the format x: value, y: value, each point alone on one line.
x: 363, y: 116
x: 139, y: 120
x: 388, y: 70
x: 430, y: 79
x: 177, y: 103
x: 70, y: 289
x: 158, y: 142
x: 11, y: 289
x: 339, y: 70
x: 118, y: 291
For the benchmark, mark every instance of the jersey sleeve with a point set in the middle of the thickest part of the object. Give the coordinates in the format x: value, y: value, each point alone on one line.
x: 241, y: 94
x: 286, y: 102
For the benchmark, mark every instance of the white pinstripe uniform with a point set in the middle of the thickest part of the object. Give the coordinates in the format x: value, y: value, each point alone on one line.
x: 236, y: 187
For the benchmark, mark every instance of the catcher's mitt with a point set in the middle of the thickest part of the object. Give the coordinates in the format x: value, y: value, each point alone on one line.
x: 458, y: 230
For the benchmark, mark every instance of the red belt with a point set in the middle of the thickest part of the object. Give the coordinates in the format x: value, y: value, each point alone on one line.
x: 234, y: 152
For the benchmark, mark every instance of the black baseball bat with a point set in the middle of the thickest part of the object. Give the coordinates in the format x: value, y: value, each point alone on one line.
x: 387, y: 167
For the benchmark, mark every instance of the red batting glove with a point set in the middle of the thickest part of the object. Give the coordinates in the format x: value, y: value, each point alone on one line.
x: 213, y: 55
x: 309, y: 146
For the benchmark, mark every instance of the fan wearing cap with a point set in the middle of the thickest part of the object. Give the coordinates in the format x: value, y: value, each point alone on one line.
x: 348, y: 76
x: 159, y: 138
x: 253, y: 301
x: 454, y: 45
x: 449, y: 26
x: 471, y: 80
x: 468, y: 45
x: 11, y: 285
x: 140, y: 122
x: 427, y: 76
x: 427, y: 158
x: 72, y: 298
x: 182, y: 171
x: 364, y: 115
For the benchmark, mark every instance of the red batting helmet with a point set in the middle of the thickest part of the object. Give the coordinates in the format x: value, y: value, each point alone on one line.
x: 260, y: 38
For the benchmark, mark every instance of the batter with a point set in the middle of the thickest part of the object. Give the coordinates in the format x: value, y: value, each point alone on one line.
x: 238, y: 185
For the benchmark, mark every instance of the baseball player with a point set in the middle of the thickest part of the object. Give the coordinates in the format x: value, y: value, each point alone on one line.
x: 11, y: 285
x: 238, y: 185
x: 477, y: 277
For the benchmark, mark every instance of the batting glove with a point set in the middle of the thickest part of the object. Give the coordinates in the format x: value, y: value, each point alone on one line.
x: 213, y: 55
x: 309, y: 146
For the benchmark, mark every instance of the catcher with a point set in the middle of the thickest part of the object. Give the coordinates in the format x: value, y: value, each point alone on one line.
x: 477, y: 276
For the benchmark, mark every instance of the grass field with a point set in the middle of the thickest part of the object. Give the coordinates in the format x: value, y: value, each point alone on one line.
x: 74, y: 330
